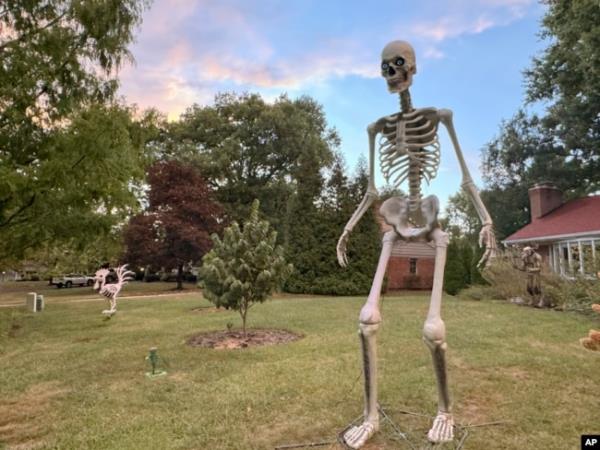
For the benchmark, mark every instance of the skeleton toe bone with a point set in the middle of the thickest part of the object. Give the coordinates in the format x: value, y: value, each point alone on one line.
x: 357, y: 436
x: 442, y: 429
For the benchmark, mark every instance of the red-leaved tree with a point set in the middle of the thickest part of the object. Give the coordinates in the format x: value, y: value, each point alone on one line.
x: 175, y: 228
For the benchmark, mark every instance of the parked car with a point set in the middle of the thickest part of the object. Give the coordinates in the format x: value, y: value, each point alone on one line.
x: 72, y: 280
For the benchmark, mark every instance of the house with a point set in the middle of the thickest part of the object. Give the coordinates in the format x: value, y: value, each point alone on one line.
x: 411, y: 263
x: 567, y: 235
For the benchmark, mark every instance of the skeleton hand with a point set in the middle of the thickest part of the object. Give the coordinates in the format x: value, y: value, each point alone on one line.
x: 341, y: 248
x: 487, y: 238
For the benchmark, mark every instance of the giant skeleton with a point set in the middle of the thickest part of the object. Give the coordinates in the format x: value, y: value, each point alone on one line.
x: 409, y: 150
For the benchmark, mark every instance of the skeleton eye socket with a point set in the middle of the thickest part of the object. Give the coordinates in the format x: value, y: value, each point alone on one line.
x: 400, y: 61
x: 385, y: 66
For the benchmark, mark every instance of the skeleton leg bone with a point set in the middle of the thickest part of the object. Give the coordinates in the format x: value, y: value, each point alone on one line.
x: 370, y: 319
x: 434, y: 335
x: 113, y: 306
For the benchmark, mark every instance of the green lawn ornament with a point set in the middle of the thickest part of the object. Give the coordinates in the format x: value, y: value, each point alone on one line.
x: 155, y: 361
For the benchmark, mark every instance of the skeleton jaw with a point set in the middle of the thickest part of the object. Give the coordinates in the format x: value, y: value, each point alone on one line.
x: 398, y: 84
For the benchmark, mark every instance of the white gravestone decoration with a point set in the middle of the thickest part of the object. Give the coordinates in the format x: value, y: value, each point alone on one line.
x: 34, y: 302
x: 409, y: 150
x: 31, y: 301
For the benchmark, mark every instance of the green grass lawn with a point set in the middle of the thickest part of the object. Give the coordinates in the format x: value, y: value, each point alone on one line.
x: 14, y: 292
x: 70, y: 380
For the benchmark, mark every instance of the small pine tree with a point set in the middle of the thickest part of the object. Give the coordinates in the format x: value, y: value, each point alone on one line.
x: 245, y: 267
x: 466, y: 256
x: 476, y: 277
x: 454, y: 275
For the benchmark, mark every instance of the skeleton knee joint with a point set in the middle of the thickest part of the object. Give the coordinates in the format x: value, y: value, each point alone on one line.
x: 434, y: 333
x: 368, y: 329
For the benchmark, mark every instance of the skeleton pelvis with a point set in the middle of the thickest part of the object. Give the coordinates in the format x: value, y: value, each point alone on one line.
x: 411, y: 224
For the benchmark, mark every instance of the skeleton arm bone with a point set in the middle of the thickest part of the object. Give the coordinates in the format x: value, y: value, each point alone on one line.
x: 367, y: 200
x: 486, y: 235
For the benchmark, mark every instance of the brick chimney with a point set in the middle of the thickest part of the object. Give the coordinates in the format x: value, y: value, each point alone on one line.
x: 543, y: 198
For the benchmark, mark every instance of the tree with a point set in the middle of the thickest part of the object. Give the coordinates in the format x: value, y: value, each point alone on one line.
x: 567, y: 76
x: 87, y: 182
x: 176, y: 227
x: 561, y: 144
x: 70, y: 258
x: 317, y: 222
x: 461, y: 213
x: 454, y: 277
x: 249, y: 149
x: 461, y: 265
x: 245, y: 267
x: 56, y: 85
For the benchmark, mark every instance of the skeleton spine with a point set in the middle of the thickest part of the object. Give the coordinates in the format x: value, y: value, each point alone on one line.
x: 415, y: 172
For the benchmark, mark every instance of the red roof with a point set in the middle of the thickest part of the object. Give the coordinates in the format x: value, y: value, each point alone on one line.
x: 577, y: 216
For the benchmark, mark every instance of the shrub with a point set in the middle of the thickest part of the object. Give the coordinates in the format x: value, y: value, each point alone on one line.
x: 507, y: 282
x: 245, y: 267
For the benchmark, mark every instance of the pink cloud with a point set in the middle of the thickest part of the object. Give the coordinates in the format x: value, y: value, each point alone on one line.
x: 179, y: 53
x: 450, y: 27
x: 311, y: 69
x: 188, y: 50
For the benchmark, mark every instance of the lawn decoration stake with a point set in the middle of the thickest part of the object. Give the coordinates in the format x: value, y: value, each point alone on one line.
x: 409, y: 150
x: 111, y: 290
x: 154, y: 360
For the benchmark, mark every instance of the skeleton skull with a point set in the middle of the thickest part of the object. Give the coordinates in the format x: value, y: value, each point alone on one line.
x: 398, y: 65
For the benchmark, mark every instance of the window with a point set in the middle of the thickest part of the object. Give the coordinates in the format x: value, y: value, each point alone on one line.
x: 412, y: 266
x: 576, y: 258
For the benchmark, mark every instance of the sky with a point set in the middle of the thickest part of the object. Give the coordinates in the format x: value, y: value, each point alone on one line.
x: 470, y: 58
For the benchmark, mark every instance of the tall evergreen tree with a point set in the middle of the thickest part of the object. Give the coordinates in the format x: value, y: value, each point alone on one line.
x: 312, y: 248
x: 454, y: 275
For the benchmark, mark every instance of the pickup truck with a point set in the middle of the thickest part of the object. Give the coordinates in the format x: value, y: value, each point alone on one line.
x: 71, y: 280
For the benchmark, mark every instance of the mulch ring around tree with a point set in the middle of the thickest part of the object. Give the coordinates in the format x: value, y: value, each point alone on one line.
x: 226, y: 340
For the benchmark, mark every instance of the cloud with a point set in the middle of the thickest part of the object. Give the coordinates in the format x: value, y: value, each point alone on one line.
x: 168, y: 91
x: 311, y: 69
x: 450, y: 27
x: 188, y: 50
x: 466, y: 17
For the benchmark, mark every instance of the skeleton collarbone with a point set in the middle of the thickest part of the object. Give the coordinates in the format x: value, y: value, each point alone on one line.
x: 409, y: 148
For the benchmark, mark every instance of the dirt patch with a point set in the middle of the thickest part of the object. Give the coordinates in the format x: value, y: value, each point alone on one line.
x: 85, y: 339
x: 24, y: 421
x: 236, y: 339
x: 13, y: 331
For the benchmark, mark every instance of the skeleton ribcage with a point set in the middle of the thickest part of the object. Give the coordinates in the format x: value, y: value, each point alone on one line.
x: 409, y: 149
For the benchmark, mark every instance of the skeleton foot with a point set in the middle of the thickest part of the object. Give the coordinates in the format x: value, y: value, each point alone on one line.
x: 442, y: 429
x: 356, y: 437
